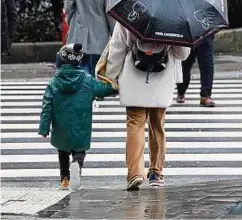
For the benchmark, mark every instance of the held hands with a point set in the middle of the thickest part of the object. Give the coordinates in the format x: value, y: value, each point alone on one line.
x: 101, y: 68
x: 108, y: 80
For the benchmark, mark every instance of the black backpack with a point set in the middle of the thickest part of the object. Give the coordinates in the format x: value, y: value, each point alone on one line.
x: 150, y: 57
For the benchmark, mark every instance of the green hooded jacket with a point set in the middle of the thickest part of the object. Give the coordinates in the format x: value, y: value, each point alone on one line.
x: 67, y: 104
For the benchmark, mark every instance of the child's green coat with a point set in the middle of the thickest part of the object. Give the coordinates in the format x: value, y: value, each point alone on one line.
x: 67, y: 103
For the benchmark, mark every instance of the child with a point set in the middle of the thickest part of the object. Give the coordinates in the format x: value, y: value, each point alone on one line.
x: 67, y: 104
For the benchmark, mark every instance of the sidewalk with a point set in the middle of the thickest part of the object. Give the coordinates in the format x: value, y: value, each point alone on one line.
x: 212, y: 200
x: 225, y: 66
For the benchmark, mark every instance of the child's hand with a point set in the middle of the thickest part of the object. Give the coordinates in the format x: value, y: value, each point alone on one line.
x: 107, y: 80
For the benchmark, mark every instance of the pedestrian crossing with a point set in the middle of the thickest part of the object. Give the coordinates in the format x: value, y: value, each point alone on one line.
x: 200, y: 141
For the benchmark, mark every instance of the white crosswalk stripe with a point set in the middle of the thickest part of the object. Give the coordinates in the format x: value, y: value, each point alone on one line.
x: 27, y: 104
x: 123, y: 117
x: 122, y: 110
x: 200, y: 141
x: 39, y: 97
x: 41, y: 92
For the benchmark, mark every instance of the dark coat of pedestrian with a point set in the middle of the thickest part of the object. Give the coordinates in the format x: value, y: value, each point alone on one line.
x: 9, y: 20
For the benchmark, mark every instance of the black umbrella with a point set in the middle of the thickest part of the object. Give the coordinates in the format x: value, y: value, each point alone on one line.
x: 178, y: 22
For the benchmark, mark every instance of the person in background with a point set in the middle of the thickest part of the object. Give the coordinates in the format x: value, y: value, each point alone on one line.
x: 89, y: 25
x: 9, y: 20
x: 67, y: 104
x: 204, y: 55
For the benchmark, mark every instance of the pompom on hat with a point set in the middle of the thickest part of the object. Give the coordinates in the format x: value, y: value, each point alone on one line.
x: 71, y: 54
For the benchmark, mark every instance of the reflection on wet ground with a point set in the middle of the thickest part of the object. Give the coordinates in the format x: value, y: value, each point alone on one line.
x: 199, y: 201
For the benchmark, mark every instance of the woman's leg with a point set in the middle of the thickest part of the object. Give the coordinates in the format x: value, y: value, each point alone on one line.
x: 135, y: 142
x: 157, y: 141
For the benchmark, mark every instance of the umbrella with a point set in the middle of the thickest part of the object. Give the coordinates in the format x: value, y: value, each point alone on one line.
x: 175, y: 22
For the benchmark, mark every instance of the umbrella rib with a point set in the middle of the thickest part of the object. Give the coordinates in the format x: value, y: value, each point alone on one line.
x: 147, y: 27
x: 150, y: 21
x: 212, y: 32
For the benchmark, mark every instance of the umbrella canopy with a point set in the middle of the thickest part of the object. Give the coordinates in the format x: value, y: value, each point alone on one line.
x: 221, y: 6
x: 178, y: 22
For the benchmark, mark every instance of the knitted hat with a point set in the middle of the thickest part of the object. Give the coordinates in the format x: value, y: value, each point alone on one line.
x: 71, y: 53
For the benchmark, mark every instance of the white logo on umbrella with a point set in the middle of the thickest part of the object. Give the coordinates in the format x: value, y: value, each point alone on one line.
x: 138, y: 8
x: 200, y: 16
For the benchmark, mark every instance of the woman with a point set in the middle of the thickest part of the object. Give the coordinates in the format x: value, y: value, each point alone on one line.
x: 90, y: 26
x: 143, y: 101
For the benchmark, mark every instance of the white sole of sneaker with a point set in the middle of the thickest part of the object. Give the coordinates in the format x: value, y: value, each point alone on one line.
x: 75, y: 180
x: 135, y: 183
x: 95, y: 104
x: 155, y: 184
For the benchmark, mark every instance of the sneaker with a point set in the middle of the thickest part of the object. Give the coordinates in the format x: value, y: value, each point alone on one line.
x: 64, y: 184
x: 95, y: 104
x: 180, y: 99
x: 156, y: 180
x: 135, y: 182
x: 206, y: 102
x: 75, y: 176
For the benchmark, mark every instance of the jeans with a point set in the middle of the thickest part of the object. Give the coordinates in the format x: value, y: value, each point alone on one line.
x: 90, y: 62
x: 64, y: 161
x: 204, y: 55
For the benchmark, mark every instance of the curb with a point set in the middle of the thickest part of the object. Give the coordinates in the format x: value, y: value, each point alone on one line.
x: 229, y: 41
x: 33, y: 52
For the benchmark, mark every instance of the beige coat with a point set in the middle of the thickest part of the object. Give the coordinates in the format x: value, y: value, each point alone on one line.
x: 133, y: 89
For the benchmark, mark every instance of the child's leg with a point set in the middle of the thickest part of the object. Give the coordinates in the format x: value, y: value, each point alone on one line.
x: 79, y: 157
x: 75, y: 169
x: 64, y: 163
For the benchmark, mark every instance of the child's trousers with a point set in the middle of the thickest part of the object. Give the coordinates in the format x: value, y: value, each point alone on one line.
x: 64, y: 161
